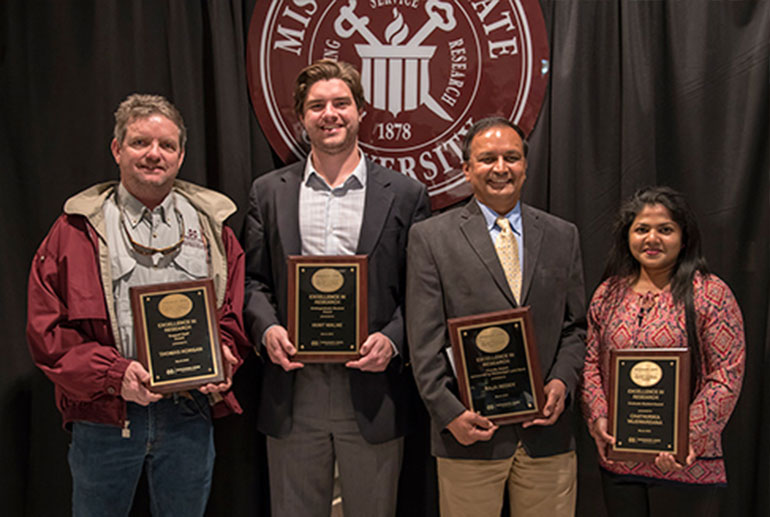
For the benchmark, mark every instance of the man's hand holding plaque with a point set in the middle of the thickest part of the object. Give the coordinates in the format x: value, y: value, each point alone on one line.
x: 376, y: 353
x: 469, y: 428
x: 133, y: 388
x: 280, y: 349
x: 556, y: 396
x: 228, y: 364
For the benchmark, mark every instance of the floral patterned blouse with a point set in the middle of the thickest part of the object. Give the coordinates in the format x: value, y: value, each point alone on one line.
x: 622, y: 319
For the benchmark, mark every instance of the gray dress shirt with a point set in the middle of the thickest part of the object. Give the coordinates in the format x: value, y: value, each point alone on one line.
x: 330, y: 218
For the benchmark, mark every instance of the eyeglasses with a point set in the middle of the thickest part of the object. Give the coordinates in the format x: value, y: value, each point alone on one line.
x: 149, y: 250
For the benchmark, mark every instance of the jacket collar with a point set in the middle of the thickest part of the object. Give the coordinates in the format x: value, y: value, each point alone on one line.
x: 89, y: 202
x: 473, y: 226
x: 532, y: 226
x: 377, y: 202
x: 378, y: 199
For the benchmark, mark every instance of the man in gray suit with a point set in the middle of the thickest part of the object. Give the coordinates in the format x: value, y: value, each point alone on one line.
x: 336, y: 202
x: 454, y: 271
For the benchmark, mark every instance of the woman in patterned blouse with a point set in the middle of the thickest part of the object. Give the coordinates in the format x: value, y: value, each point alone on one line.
x: 655, y: 269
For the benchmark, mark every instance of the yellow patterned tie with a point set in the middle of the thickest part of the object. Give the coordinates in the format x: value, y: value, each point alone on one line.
x: 508, y: 252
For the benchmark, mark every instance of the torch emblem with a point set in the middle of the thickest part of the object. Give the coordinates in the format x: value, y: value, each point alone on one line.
x: 396, y: 75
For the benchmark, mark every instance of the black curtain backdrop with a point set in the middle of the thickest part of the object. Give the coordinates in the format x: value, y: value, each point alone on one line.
x: 640, y: 92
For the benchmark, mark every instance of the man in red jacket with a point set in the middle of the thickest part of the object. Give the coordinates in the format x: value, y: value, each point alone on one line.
x: 148, y: 228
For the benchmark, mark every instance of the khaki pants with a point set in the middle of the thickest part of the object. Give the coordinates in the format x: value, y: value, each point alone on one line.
x: 536, y: 486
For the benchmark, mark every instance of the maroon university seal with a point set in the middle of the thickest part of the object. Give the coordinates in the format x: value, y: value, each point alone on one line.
x: 429, y: 68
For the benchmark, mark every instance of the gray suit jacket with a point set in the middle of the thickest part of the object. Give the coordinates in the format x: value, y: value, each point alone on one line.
x: 453, y: 271
x: 393, y: 202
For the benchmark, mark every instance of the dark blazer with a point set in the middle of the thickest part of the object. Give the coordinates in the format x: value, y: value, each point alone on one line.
x: 453, y: 271
x: 393, y: 202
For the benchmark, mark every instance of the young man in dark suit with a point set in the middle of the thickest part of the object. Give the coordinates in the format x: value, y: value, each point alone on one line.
x: 336, y: 202
x: 454, y: 270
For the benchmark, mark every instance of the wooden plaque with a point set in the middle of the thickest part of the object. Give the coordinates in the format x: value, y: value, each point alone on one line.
x: 177, y: 334
x: 328, y: 319
x: 649, y: 403
x: 498, y: 369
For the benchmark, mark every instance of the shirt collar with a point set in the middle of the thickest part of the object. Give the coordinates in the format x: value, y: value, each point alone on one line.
x: 490, y: 216
x: 358, y: 174
x: 135, y: 209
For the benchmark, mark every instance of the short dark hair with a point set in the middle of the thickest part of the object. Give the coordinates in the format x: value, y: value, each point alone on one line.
x: 488, y: 123
x: 622, y: 264
x: 325, y: 70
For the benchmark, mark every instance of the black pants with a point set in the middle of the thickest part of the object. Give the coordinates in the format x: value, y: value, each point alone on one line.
x: 635, y: 499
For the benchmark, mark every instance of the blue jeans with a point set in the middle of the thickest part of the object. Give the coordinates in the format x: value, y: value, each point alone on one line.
x: 172, y: 438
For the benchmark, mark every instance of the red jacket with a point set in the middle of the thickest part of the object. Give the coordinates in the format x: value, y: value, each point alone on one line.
x: 68, y: 325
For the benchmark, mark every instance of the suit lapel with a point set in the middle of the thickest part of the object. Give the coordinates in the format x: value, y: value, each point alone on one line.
x: 533, y: 238
x: 474, y: 227
x: 288, y: 203
x: 377, y: 201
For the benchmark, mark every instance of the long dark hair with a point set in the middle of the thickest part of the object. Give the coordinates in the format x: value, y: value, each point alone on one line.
x: 621, y: 265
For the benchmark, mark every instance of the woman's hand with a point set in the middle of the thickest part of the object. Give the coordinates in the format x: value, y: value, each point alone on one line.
x: 666, y: 462
x: 598, y: 430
